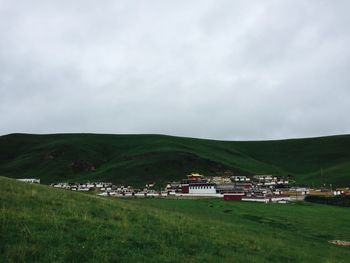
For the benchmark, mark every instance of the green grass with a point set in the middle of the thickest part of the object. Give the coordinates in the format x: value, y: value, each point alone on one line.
x: 42, y: 224
x: 141, y: 159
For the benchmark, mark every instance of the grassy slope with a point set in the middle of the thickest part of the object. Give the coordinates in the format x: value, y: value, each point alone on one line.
x: 42, y: 224
x: 137, y: 159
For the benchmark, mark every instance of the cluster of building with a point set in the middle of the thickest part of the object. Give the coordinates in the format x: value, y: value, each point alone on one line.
x: 108, y: 189
x: 101, y: 186
x: 329, y: 192
x: 258, y: 188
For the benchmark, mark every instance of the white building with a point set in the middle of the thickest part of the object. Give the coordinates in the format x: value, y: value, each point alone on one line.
x: 202, y: 189
x: 240, y: 179
x: 220, y: 180
x: 273, y: 199
x: 30, y: 180
x: 256, y: 199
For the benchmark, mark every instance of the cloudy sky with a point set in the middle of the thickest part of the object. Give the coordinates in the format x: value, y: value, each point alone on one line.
x: 211, y: 69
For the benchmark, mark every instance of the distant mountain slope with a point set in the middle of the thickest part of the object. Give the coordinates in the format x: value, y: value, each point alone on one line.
x: 138, y: 159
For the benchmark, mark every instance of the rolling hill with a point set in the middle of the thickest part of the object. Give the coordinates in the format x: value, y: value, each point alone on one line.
x: 140, y: 159
x: 42, y: 224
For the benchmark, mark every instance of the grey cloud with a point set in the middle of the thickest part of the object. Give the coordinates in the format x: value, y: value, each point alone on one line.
x: 213, y: 69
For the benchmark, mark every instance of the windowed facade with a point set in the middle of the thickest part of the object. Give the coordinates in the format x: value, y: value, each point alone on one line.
x: 202, y: 189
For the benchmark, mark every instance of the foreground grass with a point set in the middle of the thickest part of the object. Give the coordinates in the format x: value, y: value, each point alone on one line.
x: 40, y: 224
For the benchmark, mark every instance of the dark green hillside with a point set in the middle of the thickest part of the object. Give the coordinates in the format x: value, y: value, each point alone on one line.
x: 138, y: 159
x: 42, y: 224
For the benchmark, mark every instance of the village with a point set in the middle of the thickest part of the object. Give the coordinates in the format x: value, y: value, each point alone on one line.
x: 257, y: 188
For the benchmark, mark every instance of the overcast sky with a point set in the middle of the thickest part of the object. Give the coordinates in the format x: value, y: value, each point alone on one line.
x: 210, y: 69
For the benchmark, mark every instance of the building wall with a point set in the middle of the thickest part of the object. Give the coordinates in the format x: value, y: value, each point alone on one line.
x: 185, y: 189
x: 229, y: 197
x: 262, y: 200
x: 202, y: 189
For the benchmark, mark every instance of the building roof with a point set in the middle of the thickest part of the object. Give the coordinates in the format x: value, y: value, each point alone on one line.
x: 202, y: 184
x: 194, y: 175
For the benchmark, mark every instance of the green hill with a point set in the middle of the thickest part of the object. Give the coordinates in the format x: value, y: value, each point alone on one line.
x: 42, y: 224
x: 140, y: 159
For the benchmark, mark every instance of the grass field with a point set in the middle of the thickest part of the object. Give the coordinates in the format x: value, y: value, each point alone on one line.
x: 42, y: 224
x: 141, y: 159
